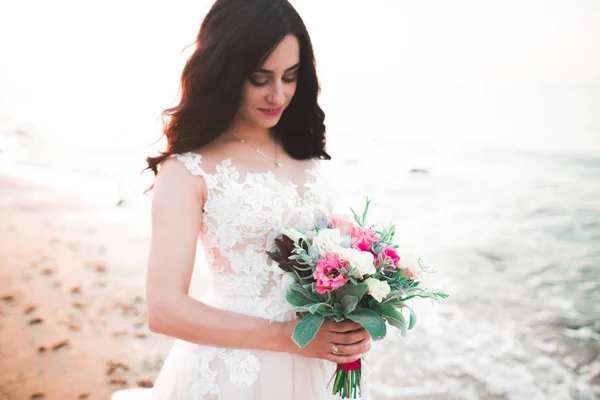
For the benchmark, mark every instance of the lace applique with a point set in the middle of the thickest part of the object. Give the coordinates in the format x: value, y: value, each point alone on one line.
x: 192, y: 164
x: 242, y: 365
x: 204, y: 382
x: 242, y: 216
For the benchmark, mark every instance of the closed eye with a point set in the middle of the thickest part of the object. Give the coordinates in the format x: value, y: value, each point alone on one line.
x: 291, y: 78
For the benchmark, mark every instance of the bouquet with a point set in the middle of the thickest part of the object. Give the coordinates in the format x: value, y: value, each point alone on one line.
x: 344, y: 270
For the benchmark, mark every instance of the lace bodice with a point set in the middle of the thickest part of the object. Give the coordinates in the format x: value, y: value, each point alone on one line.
x: 243, y: 213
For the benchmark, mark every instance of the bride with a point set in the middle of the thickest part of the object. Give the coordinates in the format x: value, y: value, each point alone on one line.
x: 245, y: 145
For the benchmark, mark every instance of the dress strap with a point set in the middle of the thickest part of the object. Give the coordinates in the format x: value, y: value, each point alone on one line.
x: 192, y: 161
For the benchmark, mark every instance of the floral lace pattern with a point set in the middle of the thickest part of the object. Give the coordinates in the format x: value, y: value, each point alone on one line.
x: 242, y: 365
x: 243, y: 213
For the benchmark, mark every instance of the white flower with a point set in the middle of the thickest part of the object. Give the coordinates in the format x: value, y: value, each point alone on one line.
x: 310, y: 235
x: 328, y: 240
x: 363, y: 261
x: 287, y: 280
x: 293, y: 234
x: 378, y: 289
x: 275, y: 268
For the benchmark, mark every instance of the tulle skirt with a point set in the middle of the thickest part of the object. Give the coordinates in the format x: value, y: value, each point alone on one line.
x: 194, y: 372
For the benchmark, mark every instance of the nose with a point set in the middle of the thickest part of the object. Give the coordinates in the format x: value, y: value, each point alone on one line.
x: 276, y: 96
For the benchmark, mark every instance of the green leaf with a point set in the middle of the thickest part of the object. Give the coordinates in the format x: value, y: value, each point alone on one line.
x: 391, y: 315
x: 339, y: 318
x: 371, y: 321
x: 349, y: 289
x: 307, y: 291
x: 349, y: 303
x: 413, y: 318
x: 362, y: 220
x: 364, y: 216
x: 329, y: 313
x: 356, y: 217
x: 306, y: 329
x: 296, y: 298
x: 319, y: 298
x: 320, y: 308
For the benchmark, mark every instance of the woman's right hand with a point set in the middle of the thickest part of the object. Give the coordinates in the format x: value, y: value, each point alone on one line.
x: 351, y: 338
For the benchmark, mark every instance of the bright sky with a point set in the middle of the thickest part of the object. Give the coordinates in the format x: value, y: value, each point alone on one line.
x: 428, y: 40
x: 85, y: 60
x: 468, y: 41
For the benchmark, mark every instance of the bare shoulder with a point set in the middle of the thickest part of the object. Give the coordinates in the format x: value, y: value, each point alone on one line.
x: 175, y: 180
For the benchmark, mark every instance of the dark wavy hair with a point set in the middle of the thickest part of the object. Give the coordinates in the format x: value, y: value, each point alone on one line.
x: 236, y: 37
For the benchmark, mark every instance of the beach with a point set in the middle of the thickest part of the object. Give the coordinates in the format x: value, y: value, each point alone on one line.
x: 481, y: 143
x: 72, y: 314
x: 520, y: 323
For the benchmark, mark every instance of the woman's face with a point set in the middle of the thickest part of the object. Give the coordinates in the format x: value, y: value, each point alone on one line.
x: 269, y: 90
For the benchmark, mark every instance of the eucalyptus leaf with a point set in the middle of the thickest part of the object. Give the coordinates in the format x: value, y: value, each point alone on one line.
x: 306, y: 329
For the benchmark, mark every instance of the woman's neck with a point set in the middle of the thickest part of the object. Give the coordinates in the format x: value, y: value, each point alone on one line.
x: 256, y: 135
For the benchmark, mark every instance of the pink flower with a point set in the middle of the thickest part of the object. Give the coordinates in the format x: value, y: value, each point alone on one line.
x: 329, y: 273
x: 389, y: 253
x: 342, y: 222
x: 413, y: 272
x: 362, y: 238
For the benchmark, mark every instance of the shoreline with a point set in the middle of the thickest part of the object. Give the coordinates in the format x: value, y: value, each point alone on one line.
x: 73, y: 325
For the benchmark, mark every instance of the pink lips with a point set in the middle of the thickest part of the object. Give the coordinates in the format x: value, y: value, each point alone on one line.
x: 272, y: 111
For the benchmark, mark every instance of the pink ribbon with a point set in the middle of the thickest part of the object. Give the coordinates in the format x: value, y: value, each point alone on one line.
x: 353, y: 366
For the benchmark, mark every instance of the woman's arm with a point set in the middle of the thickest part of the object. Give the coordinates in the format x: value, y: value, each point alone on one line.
x: 176, y: 222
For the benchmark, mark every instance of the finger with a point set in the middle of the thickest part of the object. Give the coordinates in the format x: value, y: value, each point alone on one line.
x: 345, y: 326
x: 357, y: 348
x: 349, y: 337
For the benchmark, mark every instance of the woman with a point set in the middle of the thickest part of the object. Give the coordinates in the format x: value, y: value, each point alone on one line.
x: 244, y: 146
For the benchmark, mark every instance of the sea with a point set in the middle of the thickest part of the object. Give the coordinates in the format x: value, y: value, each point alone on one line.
x: 495, y: 184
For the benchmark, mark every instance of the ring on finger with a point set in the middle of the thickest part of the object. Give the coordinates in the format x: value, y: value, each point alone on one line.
x: 336, y: 349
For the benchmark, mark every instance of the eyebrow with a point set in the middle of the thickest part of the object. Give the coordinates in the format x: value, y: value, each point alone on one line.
x: 266, y: 71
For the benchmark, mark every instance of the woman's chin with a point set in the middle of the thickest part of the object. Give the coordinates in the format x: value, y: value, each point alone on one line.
x: 269, y: 123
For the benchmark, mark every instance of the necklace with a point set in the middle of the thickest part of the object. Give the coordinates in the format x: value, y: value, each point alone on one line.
x: 262, y: 153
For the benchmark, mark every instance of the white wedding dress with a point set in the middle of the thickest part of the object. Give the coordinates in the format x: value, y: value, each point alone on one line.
x: 243, y: 213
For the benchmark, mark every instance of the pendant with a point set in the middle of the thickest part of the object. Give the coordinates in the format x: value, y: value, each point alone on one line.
x: 279, y: 164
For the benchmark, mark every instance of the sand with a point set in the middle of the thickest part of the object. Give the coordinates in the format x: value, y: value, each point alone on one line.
x: 72, y: 312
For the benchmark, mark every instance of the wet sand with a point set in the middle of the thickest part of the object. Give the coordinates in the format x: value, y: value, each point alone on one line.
x: 72, y: 314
